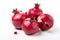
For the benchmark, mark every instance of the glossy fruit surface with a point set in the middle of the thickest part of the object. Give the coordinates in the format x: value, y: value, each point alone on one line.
x: 36, y: 11
x: 30, y: 26
x: 17, y: 19
x: 46, y: 21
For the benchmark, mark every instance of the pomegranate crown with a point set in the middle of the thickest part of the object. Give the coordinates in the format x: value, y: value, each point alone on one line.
x: 15, y: 11
x: 37, y: 5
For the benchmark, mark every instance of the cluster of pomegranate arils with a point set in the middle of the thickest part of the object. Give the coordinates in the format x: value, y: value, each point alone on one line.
x: 32, y: 21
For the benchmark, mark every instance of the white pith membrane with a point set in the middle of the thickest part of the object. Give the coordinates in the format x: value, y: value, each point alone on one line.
x: 39, y: 19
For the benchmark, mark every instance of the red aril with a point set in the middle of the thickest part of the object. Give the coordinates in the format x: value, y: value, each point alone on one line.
x: 15, y: 32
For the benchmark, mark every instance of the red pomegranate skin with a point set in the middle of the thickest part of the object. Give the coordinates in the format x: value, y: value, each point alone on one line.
x: 35, y: 12
x: 47, y: 22
x: 30, y: 27
x: 17, y: 19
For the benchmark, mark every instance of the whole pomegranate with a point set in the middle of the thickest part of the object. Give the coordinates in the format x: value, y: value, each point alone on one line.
x: 30, y: 26
x: 18, y: 18
x: 35, y: 12
x: 46, y: 21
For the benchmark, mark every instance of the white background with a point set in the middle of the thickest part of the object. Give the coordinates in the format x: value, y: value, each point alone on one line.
x: 51, y: 7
